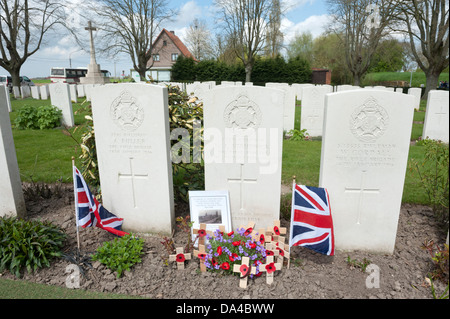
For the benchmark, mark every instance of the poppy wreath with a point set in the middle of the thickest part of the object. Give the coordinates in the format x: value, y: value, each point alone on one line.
x: 224, y: 250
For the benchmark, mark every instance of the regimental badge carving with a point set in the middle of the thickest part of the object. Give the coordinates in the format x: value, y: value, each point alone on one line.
x: 126, y: 113
x: 369, y: 121
x: 242, y: 113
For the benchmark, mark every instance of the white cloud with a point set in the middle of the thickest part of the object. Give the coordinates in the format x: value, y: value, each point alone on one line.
x: 290, y: 5
x: 315, y: 24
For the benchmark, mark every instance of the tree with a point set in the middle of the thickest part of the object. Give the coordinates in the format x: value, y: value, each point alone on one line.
x: 23, y: 25
x: 274, y: 37
x: 130, y: 26
x: 198, y: 40
x: 361, y: 24
x: 426, y: 23
x: 246, y: 23
x: 302, y: 46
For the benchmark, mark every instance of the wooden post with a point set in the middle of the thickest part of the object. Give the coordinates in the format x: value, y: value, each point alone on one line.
x: 244, y: 269
x: 76, y: 202
x: 180, y: 257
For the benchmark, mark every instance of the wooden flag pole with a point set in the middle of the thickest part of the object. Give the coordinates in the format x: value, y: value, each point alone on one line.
x: 76, y: 200
x: 292, y: 212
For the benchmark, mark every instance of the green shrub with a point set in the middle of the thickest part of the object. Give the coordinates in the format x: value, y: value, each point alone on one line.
x: 434, y: 175
x: 120, y: 254
x: 29, y: 244
x: 26, y: 118
x: 48, y: 117
x: 42, y: 117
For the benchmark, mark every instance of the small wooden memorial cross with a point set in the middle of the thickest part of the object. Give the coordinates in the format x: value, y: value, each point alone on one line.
x: 282, y: 253
x: 244, y: 269
x: 180, y: 257
x: 201, y: 254
x: 276, y: 230
x: 201, y: 233
x: 271, y: 249
x: 269, y: 267
x: 248, y: 228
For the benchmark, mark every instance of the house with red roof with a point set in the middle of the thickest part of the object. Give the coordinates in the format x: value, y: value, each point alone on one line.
x: 166, y: 49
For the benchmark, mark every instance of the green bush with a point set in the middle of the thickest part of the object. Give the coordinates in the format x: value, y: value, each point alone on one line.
x: 42, y: 117
x: 120, y: 254
x: 434, y: 175
x: 29, y: 244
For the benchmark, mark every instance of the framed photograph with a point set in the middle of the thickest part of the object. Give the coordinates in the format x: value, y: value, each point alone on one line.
x: 211, y: 208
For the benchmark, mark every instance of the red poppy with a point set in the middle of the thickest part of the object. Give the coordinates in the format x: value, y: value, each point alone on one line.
x: 236, y: 243
x: 248, y: 231
x: 201, y: 256
x: 276, y: 230
x: 214, y: 262
x: 281, y: 251
x: 262, y: 239
x: 252, y: 245
x: 219, y: 250
x: 202, y: 232
x: 270, y: 268
x: 233, y: 256
x: 225, y: 266
x: 245, y: 270
x: 230, y: 233
x: 180, y: 258
x: 270, y: 253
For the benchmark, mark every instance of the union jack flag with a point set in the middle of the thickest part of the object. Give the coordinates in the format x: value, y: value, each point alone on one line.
x: 90, y: 212
x: 311, y: 221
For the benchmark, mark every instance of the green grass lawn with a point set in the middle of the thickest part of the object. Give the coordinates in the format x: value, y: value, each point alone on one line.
x: 418, y: 78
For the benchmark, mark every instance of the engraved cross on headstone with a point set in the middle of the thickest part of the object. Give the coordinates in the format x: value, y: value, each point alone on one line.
x: 362, y: 189
x: 241, y: 180
x: 441, y: 114
x: 132, y: 176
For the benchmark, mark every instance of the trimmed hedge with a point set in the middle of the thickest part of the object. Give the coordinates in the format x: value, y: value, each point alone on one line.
x: 264, y: 70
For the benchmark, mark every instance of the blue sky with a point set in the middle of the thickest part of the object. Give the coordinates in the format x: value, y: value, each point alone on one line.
x: 303, y: 15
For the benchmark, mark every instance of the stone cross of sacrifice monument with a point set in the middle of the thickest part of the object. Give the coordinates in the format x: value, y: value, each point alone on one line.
x: 94, y: 74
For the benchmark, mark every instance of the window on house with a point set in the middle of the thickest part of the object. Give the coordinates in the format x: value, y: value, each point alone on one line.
x: 174, y: 56
x: 164, y: 43
x: 155, y: 57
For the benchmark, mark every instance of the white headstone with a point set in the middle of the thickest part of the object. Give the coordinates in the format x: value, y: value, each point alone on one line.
x: 289, y: 104
x: 35, y: 92
x: 44, y: 92
x: 7, y: 97
x: 60, y: 97
x: 298, y: 88
x: 243, y: 133
x: 80, y: 90
x: 417, y: 93
x: 363, y: 164
x: 313, y: 103
x: 198, y: 89
x: 25, y: 91
x: 436, y: 125
x: 16, y: 92
x: 73, y: 92
x: 11, y: 196
x: 133, y: 150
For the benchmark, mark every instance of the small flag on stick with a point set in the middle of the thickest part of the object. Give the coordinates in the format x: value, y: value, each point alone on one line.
x: 311, y: 221
x: 90, y: 212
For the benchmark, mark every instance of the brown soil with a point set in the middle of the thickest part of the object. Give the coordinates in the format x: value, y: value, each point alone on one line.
x: 311, y: 275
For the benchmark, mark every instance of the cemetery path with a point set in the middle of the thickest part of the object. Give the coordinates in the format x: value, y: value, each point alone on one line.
x: 311, y: 275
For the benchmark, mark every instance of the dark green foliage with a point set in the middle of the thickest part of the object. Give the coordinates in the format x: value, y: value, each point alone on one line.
x: 28, y: 244
x: 182, y: 69
x: 42, y: 117
x: 265, y: 70
x: 121, y: 254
